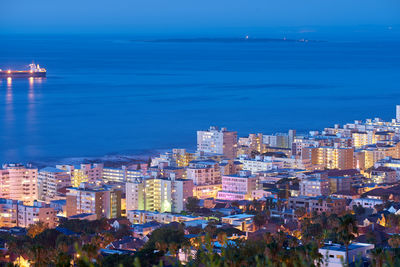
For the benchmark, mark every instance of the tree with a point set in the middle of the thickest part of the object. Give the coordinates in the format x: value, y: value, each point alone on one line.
x: 358, y: 209
x: 300, y: 212
x: 346, y: 231
x: 394, y: 241
x: 259, y: 219
x: 192, y: 204
x: 378, y: 257
x: 36, y: 228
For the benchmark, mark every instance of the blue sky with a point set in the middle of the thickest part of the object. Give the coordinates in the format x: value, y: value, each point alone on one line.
x: 183, y: 16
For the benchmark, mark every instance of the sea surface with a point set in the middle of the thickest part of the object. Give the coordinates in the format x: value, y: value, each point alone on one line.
x: 108, y: 95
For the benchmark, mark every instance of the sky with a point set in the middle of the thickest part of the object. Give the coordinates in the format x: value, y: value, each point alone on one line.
x: 193, y: 16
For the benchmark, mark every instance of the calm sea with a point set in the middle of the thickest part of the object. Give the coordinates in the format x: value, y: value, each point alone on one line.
x: 116, y: 95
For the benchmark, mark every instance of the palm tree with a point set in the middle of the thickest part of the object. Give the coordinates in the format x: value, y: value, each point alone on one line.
x: 378, y: 257
x: 394, y: 241
x: 347, y: 231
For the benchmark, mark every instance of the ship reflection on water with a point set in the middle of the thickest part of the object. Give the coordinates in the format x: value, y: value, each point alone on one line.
x: 33, y: 81
x: 15, y: 91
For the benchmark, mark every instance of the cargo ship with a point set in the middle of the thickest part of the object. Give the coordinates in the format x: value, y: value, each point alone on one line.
x: 34, y: 71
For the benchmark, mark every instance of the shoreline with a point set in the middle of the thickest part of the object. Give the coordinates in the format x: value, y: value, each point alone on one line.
x: 109, y: 160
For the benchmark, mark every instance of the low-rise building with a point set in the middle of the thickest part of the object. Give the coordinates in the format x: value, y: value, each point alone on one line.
x: 243, y: 222
x: 314, y: 187
x: 382, y: 175
x: 318, y: 204
x: 142, y: 216
x: 15, y: 214
x: 334, y: 255
x: 238, y: 187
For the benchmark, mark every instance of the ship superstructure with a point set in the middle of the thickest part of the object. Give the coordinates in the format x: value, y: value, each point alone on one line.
x: 34, y: 71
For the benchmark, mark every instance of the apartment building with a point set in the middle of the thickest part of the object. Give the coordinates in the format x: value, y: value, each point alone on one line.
x: 142, y: 216
x: 50, y: 180
x: 330, y: 157
x: 15, y: 214
x: 318, y: 204
x: 204, y: 172
x: 103, y: 201
x: 18, y: 182
x: 217, y: 141
x: 239, y: 186
x: 314, y: 187
x: 158, y: 194
x: 83, y: 173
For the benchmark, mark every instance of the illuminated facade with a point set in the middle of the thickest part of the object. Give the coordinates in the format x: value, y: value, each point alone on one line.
x: 135, y: 195
x: 260, y: 164
x: 206, y: 191
x: 314, y: 187
x: 205, y: 172
x: 50, y: 180
x: 18, y: 182
x: 367, y: 157
x: 15, y: 214
x: 158, y: 194
x: 238, y: 187
x: 141, y: 216
x: 219, y: 142
x: 103, y: 201
x: 83, y: 173
x: 330, y: 157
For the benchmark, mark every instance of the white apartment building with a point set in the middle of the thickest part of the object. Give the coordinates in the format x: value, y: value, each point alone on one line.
x: 142, y: 216
x: 218, y: 142
x: 50, y: 180
x: 158, y: 194
x: 314, y: 187
x: 334, y: 255
x: 135, y: 195
x: 260, y: 164
x: 18, y: 182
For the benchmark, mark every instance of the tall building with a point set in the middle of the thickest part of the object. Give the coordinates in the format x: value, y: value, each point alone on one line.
x: 398, y: 113
x: 238, y: 187
x: 88, y: 199
x: 13, y: 213
x: 114, y: 174
x: 50, y: 180
x: 218, y: 142
x: 135, y: 190
x: 158, y: 194
x: 18, y: 182
x: 281, y: 140
x: 83, y: 173
x: 330, y: 157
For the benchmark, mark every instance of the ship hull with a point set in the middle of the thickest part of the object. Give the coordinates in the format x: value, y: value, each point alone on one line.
x: 21, y: 74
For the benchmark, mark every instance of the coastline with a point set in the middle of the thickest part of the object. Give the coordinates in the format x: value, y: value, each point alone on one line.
x: 109, y: 160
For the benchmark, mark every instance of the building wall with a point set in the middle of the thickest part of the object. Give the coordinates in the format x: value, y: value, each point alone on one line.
x: 215, y: 141
x: 19, y: 183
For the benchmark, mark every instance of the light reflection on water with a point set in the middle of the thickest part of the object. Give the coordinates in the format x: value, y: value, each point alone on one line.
x: 105, y: 97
